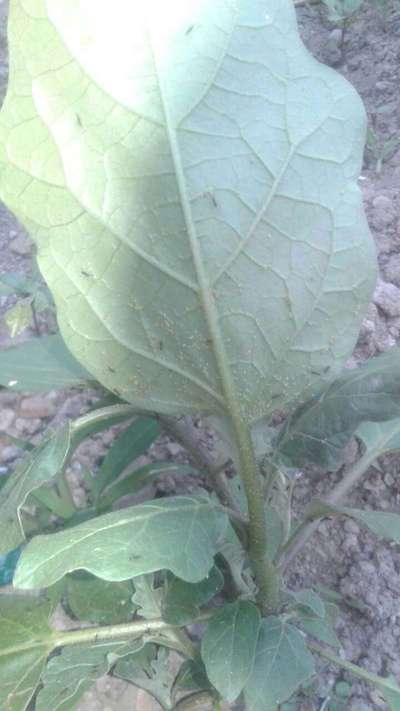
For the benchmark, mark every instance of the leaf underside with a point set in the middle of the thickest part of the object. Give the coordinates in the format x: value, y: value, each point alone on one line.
x: 188, y: 172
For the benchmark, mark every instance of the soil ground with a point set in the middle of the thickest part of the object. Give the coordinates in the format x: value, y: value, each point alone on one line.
x: 341, y: 556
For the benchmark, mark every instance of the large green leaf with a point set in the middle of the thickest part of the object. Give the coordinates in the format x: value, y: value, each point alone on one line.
x: 39, y: 467
x: 282, y: 664
x: 229, y: 645
x: 180, y: 534
x: 25, y: 637
x: 68, y: 675
x: 319, y: 430
x: 41, y: 364
x: 191, y: 186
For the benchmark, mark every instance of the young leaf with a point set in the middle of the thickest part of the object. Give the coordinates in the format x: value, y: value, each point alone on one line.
x: 180, y: 604
x: 179, y: 534
x: 98, y: 601
x: 133, y: 442
x: 309, y: 599
x: 192, y: 675
x: 282, y: 664
x: 149, y: 670
x: 40, y: 466
x: 25, y: 637
x: 178, y: 198
x: 147, y: 596
x: 68, y: 675
x: 41, y: 364
x: 228, y: 647
x: 322, y: 628
x: 319, y: 430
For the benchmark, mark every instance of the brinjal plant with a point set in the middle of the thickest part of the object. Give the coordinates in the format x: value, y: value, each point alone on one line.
x: 188, y: 173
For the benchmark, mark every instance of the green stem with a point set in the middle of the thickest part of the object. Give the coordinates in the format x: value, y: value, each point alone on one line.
x: 129, y: 630
x: 307, y: 528
x: 267, y: 577
x: 361, y: 673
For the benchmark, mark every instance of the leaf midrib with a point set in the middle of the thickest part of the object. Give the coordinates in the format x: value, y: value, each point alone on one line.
x: 205, y: 289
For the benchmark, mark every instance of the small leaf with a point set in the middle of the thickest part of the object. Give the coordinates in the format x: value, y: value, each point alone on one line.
x: 149, y: 670
x: 322, y: 628
x: 192, y: 675
x: 41, y: 364
x: 310, y: 600
x: 179, y: 534
x: 133, y: 442
x: 25, y: 644
x: 18, y: 317
x: 99, y: 601
x: 319, y: 429
x: 147, y: 597
x: 40, y: 466
x: 228, y: 647
x: 181, y: 601
x: 72, y: 672
x: 282, y: 664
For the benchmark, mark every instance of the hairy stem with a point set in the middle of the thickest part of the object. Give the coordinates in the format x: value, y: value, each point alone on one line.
x: 308, y: 527
x: 361, y: 673
x: 184, y: 431
x: 267, y: 576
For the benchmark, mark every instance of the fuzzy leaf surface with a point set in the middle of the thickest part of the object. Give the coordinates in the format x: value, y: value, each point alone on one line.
x: 228, y: 647
x: 198, y: 220
x: 180, y: 534
x: 319, y: 430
